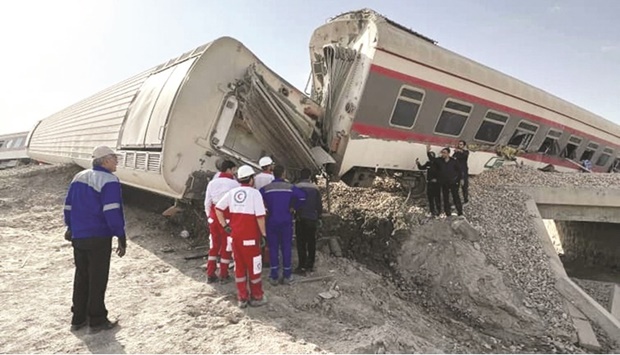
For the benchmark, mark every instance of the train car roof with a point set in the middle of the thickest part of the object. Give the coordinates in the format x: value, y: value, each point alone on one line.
x: 407, y: 43
x: 13, y: 135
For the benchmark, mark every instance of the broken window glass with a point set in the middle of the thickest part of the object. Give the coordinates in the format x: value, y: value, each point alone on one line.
x: 570, y: 151
x: 407, y: 107
x: 523, y: 136
x: 453, y: 118
x: 549, y: 147
x: 615, y: 167
x: 587, y: 155
x: 589, y: 152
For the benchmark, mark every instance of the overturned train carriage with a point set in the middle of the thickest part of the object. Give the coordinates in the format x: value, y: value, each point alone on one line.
x: 171, y: 123
x: 388, y: 91
x: 13, y: 149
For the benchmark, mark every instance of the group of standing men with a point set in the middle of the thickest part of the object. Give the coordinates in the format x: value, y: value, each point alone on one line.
x: 445, y: 174
x: 254, y: 211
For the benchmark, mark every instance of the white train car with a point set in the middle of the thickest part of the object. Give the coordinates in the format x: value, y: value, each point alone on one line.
x: 171, y: 123
x: 387, y: 92
x: 13, y: 149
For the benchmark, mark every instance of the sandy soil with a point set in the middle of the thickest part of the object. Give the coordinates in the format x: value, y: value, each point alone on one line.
x: 162, y: 300
x: 165, y: 306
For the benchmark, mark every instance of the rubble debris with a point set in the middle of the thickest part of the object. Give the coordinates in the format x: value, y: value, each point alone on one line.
x: 382, y: 305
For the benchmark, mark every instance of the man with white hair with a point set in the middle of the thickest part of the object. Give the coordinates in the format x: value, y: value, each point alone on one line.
x: 266, y: 176
x: 94, y: 214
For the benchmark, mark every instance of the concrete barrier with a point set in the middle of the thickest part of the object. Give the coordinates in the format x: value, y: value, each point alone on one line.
x: 589, y: 307
x: 582, y: 204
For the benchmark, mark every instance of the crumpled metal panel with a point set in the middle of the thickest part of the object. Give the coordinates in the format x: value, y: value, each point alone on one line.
x: 274, y: 122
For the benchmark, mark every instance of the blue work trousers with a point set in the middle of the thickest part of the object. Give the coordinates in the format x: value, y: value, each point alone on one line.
x: 280, y: 238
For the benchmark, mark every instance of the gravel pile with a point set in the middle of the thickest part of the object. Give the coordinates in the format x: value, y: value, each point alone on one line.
x: 496, y: 209
x: 600, y: 291
x: 510, y: 242
x: 525, y: 175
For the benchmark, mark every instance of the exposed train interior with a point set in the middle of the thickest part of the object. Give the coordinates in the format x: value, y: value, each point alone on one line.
x: 258, y: 113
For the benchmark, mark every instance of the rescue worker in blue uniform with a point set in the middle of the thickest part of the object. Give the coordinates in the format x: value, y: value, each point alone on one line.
x: 281, y: 199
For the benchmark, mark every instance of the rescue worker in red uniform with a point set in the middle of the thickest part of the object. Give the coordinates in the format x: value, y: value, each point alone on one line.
x: 218, y: 246
x: 247, y: 228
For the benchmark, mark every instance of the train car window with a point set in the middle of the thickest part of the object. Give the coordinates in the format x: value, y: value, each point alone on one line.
x: 453, y: 117
x: 570, y: 151
x: 9, y: 143
x: 1, y: 144
x: 407, y: 107
x: 589, y: 152
x: 550, y: 146
x: 604, y: 158
x: 491, y: 127
x: 19, y: 142
x: 523, y: 135
x: 615, y: 167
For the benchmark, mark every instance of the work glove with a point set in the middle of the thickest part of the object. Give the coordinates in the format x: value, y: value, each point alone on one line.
x: 68, y: 235
x: 227, y: 229
x: 263, y: 242
x: 122, y: 246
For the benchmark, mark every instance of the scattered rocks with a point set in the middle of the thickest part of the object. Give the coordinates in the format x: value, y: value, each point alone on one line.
x: 600, y: 291
x: 499, y: 227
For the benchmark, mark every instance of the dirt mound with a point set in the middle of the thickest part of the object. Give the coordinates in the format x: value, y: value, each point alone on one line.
x: 452, y: 272
x: 410, y: 284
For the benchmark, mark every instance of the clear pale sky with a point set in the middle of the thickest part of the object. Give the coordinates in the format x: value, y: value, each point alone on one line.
x: 55, y: 53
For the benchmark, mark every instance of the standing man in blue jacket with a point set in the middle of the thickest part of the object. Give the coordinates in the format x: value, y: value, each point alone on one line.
x: 308, y: 221
x: 281, y: 199
x: 93, y: 215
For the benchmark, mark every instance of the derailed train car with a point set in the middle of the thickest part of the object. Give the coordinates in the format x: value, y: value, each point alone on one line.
x: 171, y: 123
x: 380, y: 93
x: 388, y: 91
x: 13, y: 149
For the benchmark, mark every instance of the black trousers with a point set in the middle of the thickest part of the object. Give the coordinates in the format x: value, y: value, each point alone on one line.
x: 92, y: 267
x: 465, y: 187
x: 305, y: 230
x: 448, y: 189
x: 433, y: 192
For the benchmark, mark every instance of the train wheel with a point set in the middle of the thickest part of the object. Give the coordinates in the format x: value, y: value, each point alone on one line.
x: 415, y: 183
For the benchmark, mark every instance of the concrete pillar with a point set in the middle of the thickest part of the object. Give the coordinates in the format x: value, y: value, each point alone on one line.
x: 591, y: 243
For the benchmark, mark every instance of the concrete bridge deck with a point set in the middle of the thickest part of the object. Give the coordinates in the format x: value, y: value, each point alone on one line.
x: 580, y: 204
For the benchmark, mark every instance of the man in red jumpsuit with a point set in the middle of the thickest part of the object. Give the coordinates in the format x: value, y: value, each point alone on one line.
x: 215, y: 191
x: 247, y: 228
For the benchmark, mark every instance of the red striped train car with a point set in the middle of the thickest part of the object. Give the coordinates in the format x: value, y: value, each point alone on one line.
x: 387, y: 92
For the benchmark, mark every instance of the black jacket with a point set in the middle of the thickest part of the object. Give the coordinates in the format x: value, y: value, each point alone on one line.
x: 449, y: 171
x: 431, y: 167
x: 461, y: 158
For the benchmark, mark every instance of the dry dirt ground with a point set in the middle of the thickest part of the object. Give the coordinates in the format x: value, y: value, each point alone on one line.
x: 402, y: 289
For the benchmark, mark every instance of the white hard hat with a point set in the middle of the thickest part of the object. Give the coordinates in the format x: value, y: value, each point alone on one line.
x: 102, y: 151
x: 265, y: 161
x: 244, y: 172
